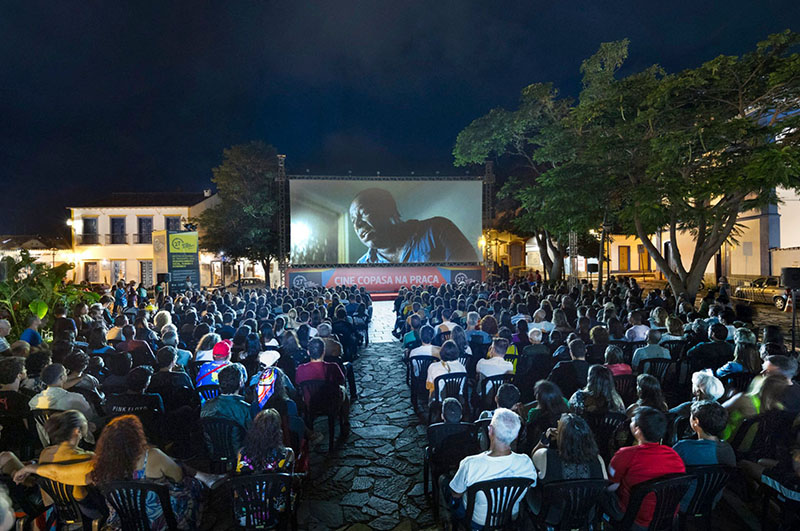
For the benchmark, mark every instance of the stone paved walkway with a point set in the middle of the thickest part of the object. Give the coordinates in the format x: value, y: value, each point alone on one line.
x: 374, y: 479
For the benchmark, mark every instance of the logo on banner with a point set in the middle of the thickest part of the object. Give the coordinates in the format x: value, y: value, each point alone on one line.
x: 461, y: 277
x: 299, y: 281
x: 185, y: 242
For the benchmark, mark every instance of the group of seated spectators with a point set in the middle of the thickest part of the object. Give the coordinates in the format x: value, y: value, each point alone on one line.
x: 123, y: 393
x: 565, y: 355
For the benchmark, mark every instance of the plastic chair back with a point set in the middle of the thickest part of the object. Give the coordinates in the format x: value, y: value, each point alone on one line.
x: 668, y: 490
x: 737, y: 382
x: 625, y: 385
x: 661, y: 369
x: 577, y: 500
x: 36, y: 421
x: 207, y: 392
x: 223, y: 438
x: 676, y: 347
x: 604, y: 427
x: 130, y: 500
x: 262, y: 501
x: 452, y: 385
x: 711, y: 480
x: 501, y: 497
x: 67, y: 512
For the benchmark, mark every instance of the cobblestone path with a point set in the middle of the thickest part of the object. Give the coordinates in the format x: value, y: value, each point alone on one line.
x: 374, y: 479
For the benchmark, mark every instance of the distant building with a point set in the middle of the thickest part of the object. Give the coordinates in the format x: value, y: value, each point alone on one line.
x: 112, y: 237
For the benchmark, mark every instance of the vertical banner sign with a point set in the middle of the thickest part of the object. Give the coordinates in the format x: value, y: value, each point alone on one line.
x: 160, y: 262
x: 183, y: 255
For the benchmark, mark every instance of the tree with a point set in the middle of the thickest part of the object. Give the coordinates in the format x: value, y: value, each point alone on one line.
x: 690, y: 151
x: 518, y: 135
x: 244, y: 225
x: 36, y: 287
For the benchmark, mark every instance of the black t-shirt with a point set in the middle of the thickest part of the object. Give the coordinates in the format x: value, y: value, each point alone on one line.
x: 129, y: 403
x: 13, y: 403
x: 170, y: 379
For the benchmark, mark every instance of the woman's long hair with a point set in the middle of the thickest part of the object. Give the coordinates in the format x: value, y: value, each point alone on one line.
x: 119, y: 447
x: 600, y: 384
x: 649, y: 391
x: 748, y: 356
x: 576, y: 442
x: 458, y: 335
x: 264, y: 436
x: 549, y: 398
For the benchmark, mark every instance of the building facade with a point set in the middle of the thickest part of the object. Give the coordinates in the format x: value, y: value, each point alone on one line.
x: 112, y: 238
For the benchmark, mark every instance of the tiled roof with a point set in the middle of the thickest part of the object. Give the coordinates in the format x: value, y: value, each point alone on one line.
x: 147, y: 199
x: 14, y: 242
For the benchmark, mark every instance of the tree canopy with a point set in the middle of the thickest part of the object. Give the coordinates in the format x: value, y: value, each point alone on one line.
x: 654, y: 151
x: 244, y: 225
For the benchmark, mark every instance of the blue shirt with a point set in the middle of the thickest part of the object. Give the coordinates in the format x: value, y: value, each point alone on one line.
x: 32, y: 337
x: 430, y: 240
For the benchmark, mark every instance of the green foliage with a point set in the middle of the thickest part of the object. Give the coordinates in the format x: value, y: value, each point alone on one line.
x: 652, y: 151
x: 34, y: 287
x: 244, y: 225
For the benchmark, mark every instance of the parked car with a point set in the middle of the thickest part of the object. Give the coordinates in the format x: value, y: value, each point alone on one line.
x: 766, y: 290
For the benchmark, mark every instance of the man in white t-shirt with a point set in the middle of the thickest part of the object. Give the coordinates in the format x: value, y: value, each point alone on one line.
x: 426, y: 335
x: 496, y: 363
x: 446, y: 325
x: 637, y: 331
x: 496, y: 463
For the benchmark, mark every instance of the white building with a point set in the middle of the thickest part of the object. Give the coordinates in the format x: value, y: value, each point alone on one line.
x: 112, y: 238
x: 748, y: 257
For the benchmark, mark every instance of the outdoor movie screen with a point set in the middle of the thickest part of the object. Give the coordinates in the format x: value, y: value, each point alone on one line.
x: 384, y: 221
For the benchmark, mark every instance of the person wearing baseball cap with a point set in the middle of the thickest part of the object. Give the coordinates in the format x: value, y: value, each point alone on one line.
x: 209, y: 372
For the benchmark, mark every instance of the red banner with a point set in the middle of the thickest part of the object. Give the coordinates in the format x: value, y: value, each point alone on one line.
x: 382, y: 279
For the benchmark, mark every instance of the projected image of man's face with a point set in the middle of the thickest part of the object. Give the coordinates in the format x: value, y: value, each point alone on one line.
x: 372, y: 218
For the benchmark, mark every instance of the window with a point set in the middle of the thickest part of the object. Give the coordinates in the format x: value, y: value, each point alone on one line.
x: 173, y: 223
x: 89, y: 233
x: 146, y: 273
x: 117, y: 270
x: 118, y: 234
x: 772, y: 281
x: 145, y: 229
x: 91, y: 272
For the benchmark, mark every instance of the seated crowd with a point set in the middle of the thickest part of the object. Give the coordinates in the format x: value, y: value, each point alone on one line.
x: 185, y: 391
x: 607, y: 386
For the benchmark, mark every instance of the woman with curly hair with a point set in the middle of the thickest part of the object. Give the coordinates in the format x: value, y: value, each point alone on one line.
x: 263, y: 449
x: 122, y: 454
x: 566, y: 452
x: 489, y: 325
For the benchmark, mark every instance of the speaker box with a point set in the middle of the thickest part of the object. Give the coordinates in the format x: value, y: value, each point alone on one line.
x: 790, y: 277
x: 163, y: 277
x: 592, y: 268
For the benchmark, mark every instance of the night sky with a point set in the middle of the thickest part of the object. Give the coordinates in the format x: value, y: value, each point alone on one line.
x: 98, y: 97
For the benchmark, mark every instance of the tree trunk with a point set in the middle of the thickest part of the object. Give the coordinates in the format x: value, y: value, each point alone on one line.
x: 265, y: 263
x: 680, y: 279
x: 547, y: 263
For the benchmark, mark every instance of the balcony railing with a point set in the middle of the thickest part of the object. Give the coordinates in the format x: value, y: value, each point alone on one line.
x: 143, y: 237
x: 87, y: 239
x: 117, y: 239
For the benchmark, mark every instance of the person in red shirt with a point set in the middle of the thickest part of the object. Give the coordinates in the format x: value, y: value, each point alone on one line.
x: 646, y: 460
x: 319, y: 369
